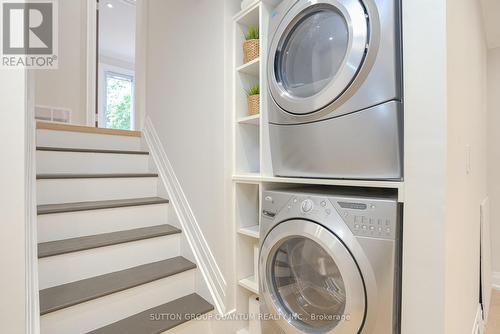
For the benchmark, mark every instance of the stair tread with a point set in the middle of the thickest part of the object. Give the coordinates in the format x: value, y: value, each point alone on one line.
x: 59, y: 247
x: 88, y: 150
x: 70, y: 294
x: 184, y: 308
x: 93, y: 176
x: 99, y: 205
x: 86, y: 129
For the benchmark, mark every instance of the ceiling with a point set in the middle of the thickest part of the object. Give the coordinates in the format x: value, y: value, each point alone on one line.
x: 491, y: 13
x: 117, y: 29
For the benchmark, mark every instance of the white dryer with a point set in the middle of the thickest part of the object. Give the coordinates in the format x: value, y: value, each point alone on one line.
x: 330, y: 262
x: 335, y: 89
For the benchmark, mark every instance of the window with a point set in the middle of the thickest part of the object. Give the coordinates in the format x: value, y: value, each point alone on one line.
x: 119, y: 100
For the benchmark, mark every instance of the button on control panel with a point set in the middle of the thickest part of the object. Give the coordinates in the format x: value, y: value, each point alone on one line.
x: 375, y: 220
x: 371, y: 227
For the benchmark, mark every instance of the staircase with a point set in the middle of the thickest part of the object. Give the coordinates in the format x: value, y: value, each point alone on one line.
x: 108, y: 261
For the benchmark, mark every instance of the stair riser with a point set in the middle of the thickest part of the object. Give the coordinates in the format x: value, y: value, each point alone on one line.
x: 86, y: 140
x: 78, y: 224
x: 66, y: 268
x: 97, y: 313
x: 51, y: 162
x: 81, y: 190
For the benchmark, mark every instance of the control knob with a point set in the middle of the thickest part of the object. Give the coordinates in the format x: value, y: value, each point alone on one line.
x: 307, y: 206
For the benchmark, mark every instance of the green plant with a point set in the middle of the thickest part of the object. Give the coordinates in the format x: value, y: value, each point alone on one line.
x: 254, y: 90
x: 252, y: 33
x: 119, y: 103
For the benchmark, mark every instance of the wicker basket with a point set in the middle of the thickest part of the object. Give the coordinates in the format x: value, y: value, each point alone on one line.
x: 253, y: 105
x: 251, y: 50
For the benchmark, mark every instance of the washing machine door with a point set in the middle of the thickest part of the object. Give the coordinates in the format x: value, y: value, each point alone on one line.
x: 316, y: 53
x: 310, y: 281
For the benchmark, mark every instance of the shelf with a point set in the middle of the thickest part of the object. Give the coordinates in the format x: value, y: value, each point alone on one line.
x: 251, y: 68
x: 251, y: 120
x: 248, y: 16
x: 251, y: 231
x: 252, y: 178
x: 243, y: 331
x: 257, y: 178
x: 250, y: 284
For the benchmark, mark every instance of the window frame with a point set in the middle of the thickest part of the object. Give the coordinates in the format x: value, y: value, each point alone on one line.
x: 105, y: 70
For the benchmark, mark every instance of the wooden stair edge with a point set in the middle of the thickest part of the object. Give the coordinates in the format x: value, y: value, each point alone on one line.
x: 70, y: 294
x: 66, y: 176
x: 78, y: 244
x: 86, y: 129
x: 184, y: 308
x: 88, y: 150
x: 99, y: 205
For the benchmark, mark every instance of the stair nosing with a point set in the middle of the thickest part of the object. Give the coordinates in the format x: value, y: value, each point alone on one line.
x: 104, y: 240
x: 99, y: 205
x: 112, y: 278
x: 178, y: 303
x: 88, y: 150
x: 63, y: 176
x: 41, y: 125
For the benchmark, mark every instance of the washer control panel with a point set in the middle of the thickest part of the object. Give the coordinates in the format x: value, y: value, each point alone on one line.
x: 375, y: 219
x: 365, y: 217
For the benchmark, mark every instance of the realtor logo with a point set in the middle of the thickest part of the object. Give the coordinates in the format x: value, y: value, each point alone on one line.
x: 29, y: 34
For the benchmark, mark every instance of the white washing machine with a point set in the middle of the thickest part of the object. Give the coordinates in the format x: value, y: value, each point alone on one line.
x: 335, y: 89
x: 330, y: 262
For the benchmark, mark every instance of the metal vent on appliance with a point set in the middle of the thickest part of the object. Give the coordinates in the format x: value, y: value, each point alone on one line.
x: 53, y: 114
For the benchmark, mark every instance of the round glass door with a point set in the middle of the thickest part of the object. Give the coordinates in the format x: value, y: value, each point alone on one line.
x: 312, y: 53
x: 310, y: 281
x: 316, y: 53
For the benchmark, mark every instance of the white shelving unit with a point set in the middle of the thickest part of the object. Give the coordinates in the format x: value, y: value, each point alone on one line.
x: 252, y: 231
x: 252, y: 166
x: 250, y: 68
x: 251, y: 120
x: 257, y: 178
x: 247, y: 153
x: 243, y: 331
x: 250, y: 283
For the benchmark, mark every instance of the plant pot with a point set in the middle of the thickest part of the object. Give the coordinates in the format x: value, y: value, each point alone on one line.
x: 253, y: 105
x: 251, y: 50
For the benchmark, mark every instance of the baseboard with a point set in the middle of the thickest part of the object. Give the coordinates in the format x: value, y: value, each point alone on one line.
x: 31, y: 259
x: 495, y: 280
x: 204, y: 258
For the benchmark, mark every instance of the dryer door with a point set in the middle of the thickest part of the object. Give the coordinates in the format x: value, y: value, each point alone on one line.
x: 316, y: 53
x: 310, y: 281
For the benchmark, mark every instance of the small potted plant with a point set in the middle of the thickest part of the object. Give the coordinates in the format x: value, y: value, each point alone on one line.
x: 253, y: 99
x: 251, y: 49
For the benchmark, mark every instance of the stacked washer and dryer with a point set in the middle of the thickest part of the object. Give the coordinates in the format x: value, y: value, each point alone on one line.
x: 330, y: 258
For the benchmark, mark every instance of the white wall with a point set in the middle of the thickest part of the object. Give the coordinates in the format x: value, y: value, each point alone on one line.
x: 467, y: 126
x: 494, y: 153
x: 66, y: 86
x: 185, y: 101
x: 445, y: 75
x: 13, y: 317
x: 117, y: 30
x: 425, y: 166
